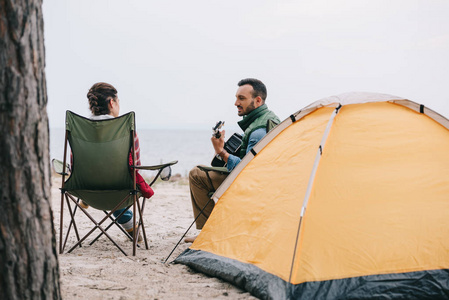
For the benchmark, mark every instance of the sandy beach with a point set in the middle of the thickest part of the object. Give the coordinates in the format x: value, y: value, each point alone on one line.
x: 101, y: 271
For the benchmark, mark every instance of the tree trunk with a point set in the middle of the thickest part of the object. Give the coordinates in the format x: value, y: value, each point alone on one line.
x: 28, y: 259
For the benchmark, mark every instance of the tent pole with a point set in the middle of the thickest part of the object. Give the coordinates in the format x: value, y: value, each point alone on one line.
x: 310, y: 184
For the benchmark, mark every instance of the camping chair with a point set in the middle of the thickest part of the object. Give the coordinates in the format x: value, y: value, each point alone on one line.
x: 101, y: 176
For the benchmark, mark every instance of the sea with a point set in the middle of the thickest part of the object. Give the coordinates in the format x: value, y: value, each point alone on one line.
x: 189, y: 147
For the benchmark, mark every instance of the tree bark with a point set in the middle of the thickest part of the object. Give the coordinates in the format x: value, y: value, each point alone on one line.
x: 28, y: 258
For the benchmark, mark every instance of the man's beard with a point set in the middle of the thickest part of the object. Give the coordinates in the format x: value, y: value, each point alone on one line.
x: 248, y: 109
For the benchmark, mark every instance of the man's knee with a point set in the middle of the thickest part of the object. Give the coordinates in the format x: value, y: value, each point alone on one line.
x: 193, y: 173
x: 196, y: 175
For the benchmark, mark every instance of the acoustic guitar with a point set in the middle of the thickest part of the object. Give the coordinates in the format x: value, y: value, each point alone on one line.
x: 232, y: 145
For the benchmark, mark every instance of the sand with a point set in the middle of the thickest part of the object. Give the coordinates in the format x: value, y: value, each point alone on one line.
x: 101, y: 271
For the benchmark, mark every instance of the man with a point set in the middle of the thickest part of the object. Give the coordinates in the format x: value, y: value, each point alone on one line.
x: 250, y: 103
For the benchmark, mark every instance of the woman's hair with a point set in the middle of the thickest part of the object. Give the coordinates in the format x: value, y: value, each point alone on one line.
x: 99, y: 96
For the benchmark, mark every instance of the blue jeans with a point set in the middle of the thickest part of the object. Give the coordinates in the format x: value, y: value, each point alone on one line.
x: 125, y: 217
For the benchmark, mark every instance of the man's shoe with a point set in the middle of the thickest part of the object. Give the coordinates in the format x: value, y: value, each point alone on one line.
x: 190, y: 239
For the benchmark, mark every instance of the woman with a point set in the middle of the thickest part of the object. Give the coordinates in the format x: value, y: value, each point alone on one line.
x: 104, y: 104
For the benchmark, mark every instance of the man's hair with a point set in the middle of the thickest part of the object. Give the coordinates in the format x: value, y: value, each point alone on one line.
x: 258, y: 87
x: 99, y: 96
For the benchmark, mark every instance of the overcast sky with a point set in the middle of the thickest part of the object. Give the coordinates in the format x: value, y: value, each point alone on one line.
x: 177, y: 63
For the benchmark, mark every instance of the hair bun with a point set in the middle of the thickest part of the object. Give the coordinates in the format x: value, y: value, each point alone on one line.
x: 99, y: 95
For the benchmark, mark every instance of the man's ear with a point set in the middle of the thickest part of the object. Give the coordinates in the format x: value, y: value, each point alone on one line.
x: 258, y: 101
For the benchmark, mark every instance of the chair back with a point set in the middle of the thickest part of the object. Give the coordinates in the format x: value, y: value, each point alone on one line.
x: 100, y: 151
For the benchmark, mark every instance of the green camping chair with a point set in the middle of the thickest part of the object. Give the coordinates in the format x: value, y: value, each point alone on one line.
x: 101, y: 176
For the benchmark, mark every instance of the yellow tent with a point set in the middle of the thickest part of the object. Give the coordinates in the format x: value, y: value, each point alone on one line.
x: 346, y: 199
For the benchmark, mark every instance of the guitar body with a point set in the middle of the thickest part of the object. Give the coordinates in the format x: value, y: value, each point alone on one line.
x: 232, y: 146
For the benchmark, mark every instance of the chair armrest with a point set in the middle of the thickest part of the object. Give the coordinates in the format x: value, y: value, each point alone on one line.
x: 222, y: 170
x: 156, y: 167
x: 164, y: 170
x: 58, y: 166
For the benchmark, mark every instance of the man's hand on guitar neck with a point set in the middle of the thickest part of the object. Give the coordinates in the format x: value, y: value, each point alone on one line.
x: 218, y: 144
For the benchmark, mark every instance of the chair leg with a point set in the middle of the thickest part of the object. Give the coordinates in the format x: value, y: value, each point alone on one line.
x: 134, y: 226
x: 113, y: 221
x: 103, y: 230
x: 97, y: 225
x: 61, y: 222
x: 72, y: 222
x: 93, y: 229
x: 141, y: 223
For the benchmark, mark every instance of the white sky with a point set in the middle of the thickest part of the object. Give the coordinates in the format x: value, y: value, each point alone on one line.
x: 177, y: 63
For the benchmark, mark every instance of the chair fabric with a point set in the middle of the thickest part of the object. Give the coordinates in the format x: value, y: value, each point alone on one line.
x: 100, y: 148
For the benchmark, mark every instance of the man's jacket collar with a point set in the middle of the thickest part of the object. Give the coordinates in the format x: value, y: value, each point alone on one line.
x: 249, y: 118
